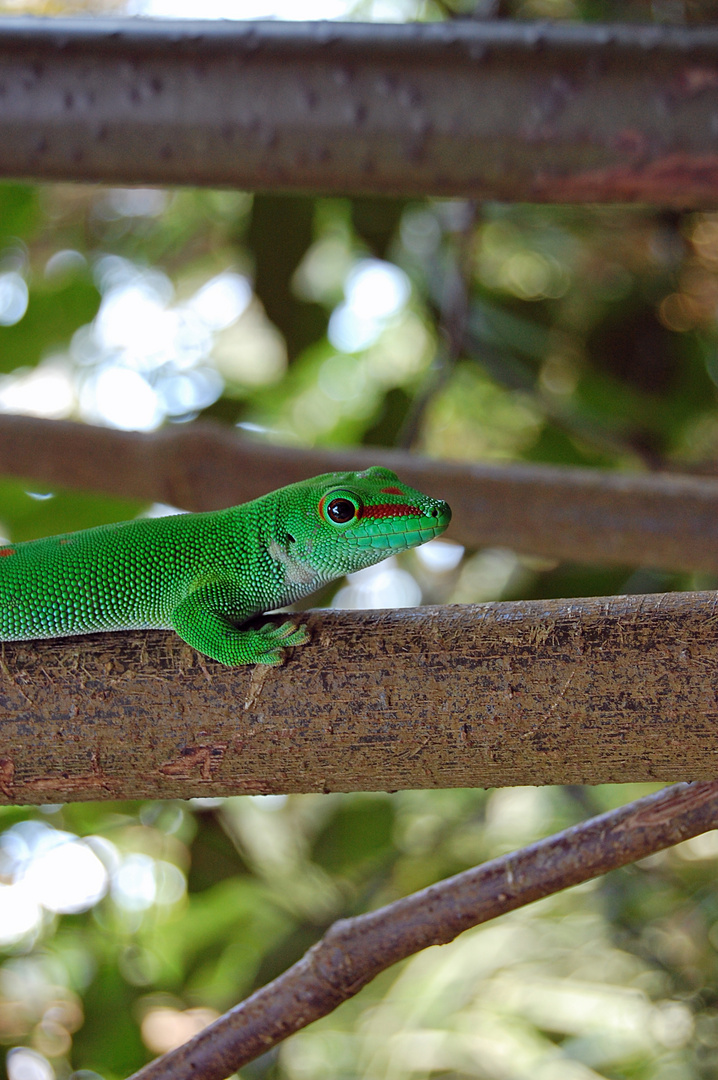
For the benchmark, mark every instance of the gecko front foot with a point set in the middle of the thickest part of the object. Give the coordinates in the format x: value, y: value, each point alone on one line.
x: 216, y: 636
x: 276, y: 638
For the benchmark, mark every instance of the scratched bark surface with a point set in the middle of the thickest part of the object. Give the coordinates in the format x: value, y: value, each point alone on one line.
x: 588, y: 515
x: 510, y: 110
x: 542, y: 692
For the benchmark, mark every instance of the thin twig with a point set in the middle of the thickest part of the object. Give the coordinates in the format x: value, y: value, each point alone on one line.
x: 354, y: 951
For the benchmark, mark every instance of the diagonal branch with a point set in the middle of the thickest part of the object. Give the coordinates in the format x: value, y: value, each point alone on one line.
x: 588, y: 515
x: 354, y: 951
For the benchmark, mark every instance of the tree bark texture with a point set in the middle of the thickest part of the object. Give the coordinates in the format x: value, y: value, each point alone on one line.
x: 586, y: 515
x: 526, y: 111
x: 539, y: 692
x: 354, y: 951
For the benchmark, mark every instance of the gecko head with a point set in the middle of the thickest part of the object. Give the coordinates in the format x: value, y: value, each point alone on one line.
x: 341, y: 522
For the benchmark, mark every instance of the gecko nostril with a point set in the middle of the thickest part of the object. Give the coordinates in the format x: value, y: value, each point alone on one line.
x: 290, y: 539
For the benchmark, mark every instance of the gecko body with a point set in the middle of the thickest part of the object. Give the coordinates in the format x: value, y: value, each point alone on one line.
x: 205, y: 574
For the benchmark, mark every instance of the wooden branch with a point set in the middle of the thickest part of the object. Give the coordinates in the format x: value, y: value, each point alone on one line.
x: 541, y: 692
x: 513, y: 110
x: 586, y: 515
x: 354, y: 951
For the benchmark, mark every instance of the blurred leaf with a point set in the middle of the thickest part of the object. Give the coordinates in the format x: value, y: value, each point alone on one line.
x: 567, y: 359
x: 386, y: 428
x: 235, y: 909
x: 357, y: 832
x: 28, y: 518
x: 19, y: 212
x: 214, y: 856
x: 556, y: 446
x: 281, y: 230
x: 52, y: 317
x: 225, y: 410
x: 109, y: 1041
x: 604, y: 581
x: 376, y: 221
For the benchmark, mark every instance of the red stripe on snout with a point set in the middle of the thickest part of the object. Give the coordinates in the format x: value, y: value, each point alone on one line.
x: 391, y: 491
x: 383, y: 510
x: 7, y: 551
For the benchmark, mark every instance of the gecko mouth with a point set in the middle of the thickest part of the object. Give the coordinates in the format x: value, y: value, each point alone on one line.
x: 392, y: 533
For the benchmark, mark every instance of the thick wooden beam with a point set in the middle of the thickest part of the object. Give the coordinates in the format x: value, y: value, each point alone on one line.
x: 541, y: 692
x: 510, y: 110
x: 585, y: 515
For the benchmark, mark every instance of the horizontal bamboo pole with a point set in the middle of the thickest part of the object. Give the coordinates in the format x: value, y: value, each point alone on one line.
x: 540, y: 692
x: 586, y: 515
x: 514, y: 110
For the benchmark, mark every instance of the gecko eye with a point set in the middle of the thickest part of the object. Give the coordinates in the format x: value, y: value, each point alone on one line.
x: 340, y: 507
x: 341, y: 510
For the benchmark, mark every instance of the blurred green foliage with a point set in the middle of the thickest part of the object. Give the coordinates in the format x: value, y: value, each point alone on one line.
x: 589, y: 337
x: 577, y: 336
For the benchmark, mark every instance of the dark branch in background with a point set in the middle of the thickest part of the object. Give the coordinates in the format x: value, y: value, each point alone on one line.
x: 659, y: 520
x: 354, y: 951
x: 452, y: 323
x: 521, y: 111
x: 533, y: 692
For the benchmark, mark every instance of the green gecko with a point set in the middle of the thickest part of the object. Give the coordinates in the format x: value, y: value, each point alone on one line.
x: 203, y: 574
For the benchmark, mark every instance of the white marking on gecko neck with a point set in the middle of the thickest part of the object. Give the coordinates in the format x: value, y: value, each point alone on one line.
x: 298, y: 573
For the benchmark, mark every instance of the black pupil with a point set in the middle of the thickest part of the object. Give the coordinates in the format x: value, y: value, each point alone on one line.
x: 341, y: 510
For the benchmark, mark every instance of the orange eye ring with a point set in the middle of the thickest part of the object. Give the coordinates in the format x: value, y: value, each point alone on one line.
x: 340, y: 508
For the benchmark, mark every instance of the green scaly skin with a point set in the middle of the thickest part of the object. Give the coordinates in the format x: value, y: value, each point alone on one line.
x: 204, y: 574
